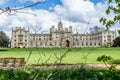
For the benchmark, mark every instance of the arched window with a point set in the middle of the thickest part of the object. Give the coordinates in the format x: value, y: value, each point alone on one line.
x: 82, y: 43
x: 90, y: 43
x: 95, y: 43
x: 50, y: 43
x: 86, y: 43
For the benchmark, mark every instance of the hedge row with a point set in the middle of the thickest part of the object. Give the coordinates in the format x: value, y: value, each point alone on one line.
x: 73, y: 74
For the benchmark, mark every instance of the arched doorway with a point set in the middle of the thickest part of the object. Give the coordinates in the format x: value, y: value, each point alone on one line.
x: 67, y: 43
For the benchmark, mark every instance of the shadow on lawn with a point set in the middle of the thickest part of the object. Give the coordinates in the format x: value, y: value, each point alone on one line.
x: 116, y: 61
x: 1, y: 50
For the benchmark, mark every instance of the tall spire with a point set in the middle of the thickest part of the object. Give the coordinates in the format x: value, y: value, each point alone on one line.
x: 60, y: 26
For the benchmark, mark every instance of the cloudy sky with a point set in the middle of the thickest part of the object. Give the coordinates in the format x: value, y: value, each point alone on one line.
x: 76, y: 13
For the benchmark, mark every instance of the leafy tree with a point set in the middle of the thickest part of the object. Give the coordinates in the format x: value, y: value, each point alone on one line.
x: 4, y: 40
x: 104, y: 59
x: 112, y: 9
x: 116, y: 42
x: 95, y: 29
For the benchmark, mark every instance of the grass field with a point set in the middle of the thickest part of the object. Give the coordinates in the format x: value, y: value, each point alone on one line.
x: 74, y: 56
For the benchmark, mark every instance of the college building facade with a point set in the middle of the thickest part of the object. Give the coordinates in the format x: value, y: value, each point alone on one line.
x: 60, y: 37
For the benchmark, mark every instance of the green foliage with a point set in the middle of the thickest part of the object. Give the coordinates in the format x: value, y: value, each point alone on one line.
x: 112, y: 9
x: 116, y: 42
x: 119, y: 31
x: 104, y: 58
x: 4, y: 40
x: 72, y: 74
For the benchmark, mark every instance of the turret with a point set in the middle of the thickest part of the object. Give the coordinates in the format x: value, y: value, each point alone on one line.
x: 70, y: 28
x: 60, y: 26
x: 52, y: 29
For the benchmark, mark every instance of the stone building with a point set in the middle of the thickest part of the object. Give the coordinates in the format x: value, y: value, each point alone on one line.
x: 60, y: 37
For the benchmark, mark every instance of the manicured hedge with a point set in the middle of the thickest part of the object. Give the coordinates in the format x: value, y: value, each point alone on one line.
x: 73, y: 74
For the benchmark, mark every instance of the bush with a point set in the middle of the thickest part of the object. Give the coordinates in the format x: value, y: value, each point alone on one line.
x: 72, y: 74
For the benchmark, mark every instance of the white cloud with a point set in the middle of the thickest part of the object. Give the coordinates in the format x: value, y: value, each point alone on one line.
x: 73, y: 12
x: 81, y: 11
x: 3, y: 1
x: 77, y: 10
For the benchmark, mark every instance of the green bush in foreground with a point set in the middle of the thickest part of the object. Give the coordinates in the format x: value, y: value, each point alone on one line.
x: 73, y: 74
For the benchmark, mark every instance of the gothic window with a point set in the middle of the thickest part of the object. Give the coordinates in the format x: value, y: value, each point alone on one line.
x: 60, y: 44
x: 90, y: 43
x: 25, y: 40
x: 15, y: 40
x: 99, y: 43
x: 104, y: 40
x: 50, y: 43
x: 50, y: 38
x: 95, y: 43
x: 86, y: 43
x: 82, y: 44
x: 25, y: 36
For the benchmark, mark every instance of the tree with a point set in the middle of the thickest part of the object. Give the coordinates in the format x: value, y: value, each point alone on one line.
x: 4, y: 40
x: 104, y: 59
x: 95, y: 29
x: 112, y: 9
x: 116, y: 42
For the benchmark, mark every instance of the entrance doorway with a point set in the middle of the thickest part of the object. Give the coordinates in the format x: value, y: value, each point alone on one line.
x: 67, y: 43
x: 20, y: 45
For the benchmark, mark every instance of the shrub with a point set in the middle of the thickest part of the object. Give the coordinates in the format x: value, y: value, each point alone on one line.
x: 72, y: 74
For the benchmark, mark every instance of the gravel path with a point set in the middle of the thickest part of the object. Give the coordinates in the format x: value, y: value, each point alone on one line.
x: 94, y: 66
x: 51, y: 67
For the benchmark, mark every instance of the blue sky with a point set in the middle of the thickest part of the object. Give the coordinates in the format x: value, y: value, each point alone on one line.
x: 72, y: 12
x: 46, y: 5
x: 96, y: 1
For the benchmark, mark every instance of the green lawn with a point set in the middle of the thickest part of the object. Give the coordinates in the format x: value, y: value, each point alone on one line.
x: 75, y: 55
